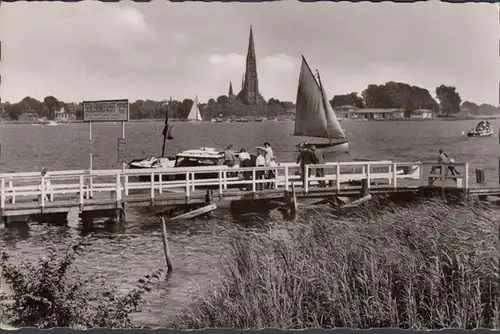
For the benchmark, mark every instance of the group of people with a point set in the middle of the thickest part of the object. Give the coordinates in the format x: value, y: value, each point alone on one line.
x: 483, y: 126
x: 310, y: 155
x: 443, y: 158
x: 264, y: 157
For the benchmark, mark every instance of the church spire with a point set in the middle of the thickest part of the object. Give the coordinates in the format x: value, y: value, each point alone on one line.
x: 250, y: 85
x: 230, y: 94
x: 251, y: 46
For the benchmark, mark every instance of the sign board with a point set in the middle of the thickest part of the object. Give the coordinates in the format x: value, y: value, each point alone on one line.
x: 106, y: 111
x: 121, y: 149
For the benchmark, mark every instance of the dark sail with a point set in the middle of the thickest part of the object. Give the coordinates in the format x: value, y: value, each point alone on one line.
x: 167, y: 129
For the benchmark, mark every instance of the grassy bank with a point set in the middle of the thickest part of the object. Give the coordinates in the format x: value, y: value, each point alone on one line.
x: 427, y: 267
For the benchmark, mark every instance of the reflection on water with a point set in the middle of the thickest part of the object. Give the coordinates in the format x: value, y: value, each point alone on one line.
x: 127, y: 251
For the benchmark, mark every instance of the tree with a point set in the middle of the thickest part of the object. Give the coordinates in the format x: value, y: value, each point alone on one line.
x: 223, y: 99
x: 376, y: 96
x: 52, y: 105
x: 185, y: 108
x: 398, y: 95
x: 449, y: 99
x: 348, y: 99
x: 13, y: 111
x: 31, y: 105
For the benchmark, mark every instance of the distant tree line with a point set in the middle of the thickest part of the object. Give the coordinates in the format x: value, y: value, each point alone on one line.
x: 401, y: 95
x: 389, y: 95
x: 45, y: 108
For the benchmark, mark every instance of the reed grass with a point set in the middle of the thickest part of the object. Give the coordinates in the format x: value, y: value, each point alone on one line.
x: 425, y: 267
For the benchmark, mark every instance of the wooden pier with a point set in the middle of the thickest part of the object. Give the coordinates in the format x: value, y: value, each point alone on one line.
x: 108, y: 193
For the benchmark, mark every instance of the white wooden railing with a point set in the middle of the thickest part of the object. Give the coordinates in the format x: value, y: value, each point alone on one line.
x: 83, y: 184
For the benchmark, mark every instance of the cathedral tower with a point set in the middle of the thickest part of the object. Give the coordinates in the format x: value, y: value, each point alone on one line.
x: 250, y: 90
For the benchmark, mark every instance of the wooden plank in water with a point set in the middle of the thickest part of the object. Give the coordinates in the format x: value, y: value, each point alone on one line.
x: 195, y: 213
x: 357, y: 202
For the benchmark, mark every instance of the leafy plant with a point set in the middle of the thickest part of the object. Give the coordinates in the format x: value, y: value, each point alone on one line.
x: 53, y: 293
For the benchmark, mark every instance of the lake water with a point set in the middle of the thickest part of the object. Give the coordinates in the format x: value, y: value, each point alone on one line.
x: 126, y: 252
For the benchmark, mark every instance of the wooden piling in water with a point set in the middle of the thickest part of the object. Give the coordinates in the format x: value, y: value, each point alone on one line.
x: 480, y: 179
x: 499, y: 169
x: 293, y: 203
x: 165, y: 245
x: 364, y: 188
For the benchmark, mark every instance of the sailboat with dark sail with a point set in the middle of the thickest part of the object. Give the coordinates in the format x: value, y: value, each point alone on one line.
x: 204, y: 156
x: 314, y: 118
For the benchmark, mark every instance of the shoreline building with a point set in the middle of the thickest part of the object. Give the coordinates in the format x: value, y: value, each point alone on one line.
x: 249, y: 93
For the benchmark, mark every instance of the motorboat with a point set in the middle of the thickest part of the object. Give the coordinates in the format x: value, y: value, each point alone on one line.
x: 204, y: 156
x: 482, y: 129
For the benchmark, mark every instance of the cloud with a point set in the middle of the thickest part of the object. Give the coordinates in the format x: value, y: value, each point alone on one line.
x: 280, y: 62
x: 94, y: 50
x: 232, y: 60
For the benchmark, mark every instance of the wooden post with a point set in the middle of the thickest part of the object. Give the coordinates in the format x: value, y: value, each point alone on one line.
x: 81, y: 193
x: 337, y: 203
x: 499, y: 169
x: 293, y: 204
x: 286, y: 178
x: 165, y: 246
x: 337, y: 177
x: 364, y: 187
x: 480, y: 176
x: 395, y: 175
x: 2, y: 195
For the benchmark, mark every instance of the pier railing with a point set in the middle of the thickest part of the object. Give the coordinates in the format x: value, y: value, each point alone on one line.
x: 84, y: 185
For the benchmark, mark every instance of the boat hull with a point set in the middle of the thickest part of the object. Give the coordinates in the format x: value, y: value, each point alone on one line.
x: 479, y: 134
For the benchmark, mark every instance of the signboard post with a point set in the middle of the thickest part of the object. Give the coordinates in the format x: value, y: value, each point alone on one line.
x: 107, y: 111
x: 121, y: 149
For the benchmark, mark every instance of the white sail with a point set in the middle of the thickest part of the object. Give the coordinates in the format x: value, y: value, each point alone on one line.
x: 314, y: 115
x: 194, y: 114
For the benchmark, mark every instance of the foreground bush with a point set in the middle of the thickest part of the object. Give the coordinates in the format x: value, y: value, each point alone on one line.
x: 427, y: 267
x: 52, y: 293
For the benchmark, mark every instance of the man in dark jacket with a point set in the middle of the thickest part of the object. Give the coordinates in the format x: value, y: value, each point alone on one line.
x: 319, y: 155
x: 306, y: 157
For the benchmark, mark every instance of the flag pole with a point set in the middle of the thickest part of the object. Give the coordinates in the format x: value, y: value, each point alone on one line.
x: 165, y: 129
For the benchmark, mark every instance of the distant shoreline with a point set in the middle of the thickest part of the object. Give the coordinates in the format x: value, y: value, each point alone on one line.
x: 470, y: 118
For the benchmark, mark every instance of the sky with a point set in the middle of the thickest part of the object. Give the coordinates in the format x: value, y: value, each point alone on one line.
x: 92, y: 50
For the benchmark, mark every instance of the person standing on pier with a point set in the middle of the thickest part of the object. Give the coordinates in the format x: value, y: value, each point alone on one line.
x: 306, y: 157
x: 260, y: 162
x: 245, y: 161
x: 269, y: 154
x: 443, y: 158
x: 229, y: 158
x: 319, y: 156
x: 46, y: 185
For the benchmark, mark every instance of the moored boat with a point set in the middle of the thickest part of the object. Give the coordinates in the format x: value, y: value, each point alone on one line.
x: 482, y: 129
x: 204, y: 156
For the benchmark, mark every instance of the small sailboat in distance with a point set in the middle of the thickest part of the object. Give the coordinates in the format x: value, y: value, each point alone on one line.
x: 194, y: 114
x: 314, y: 115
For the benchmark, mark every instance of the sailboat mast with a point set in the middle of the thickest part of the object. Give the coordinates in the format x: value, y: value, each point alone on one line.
x: 165, y: 129
x: 323, y: 99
